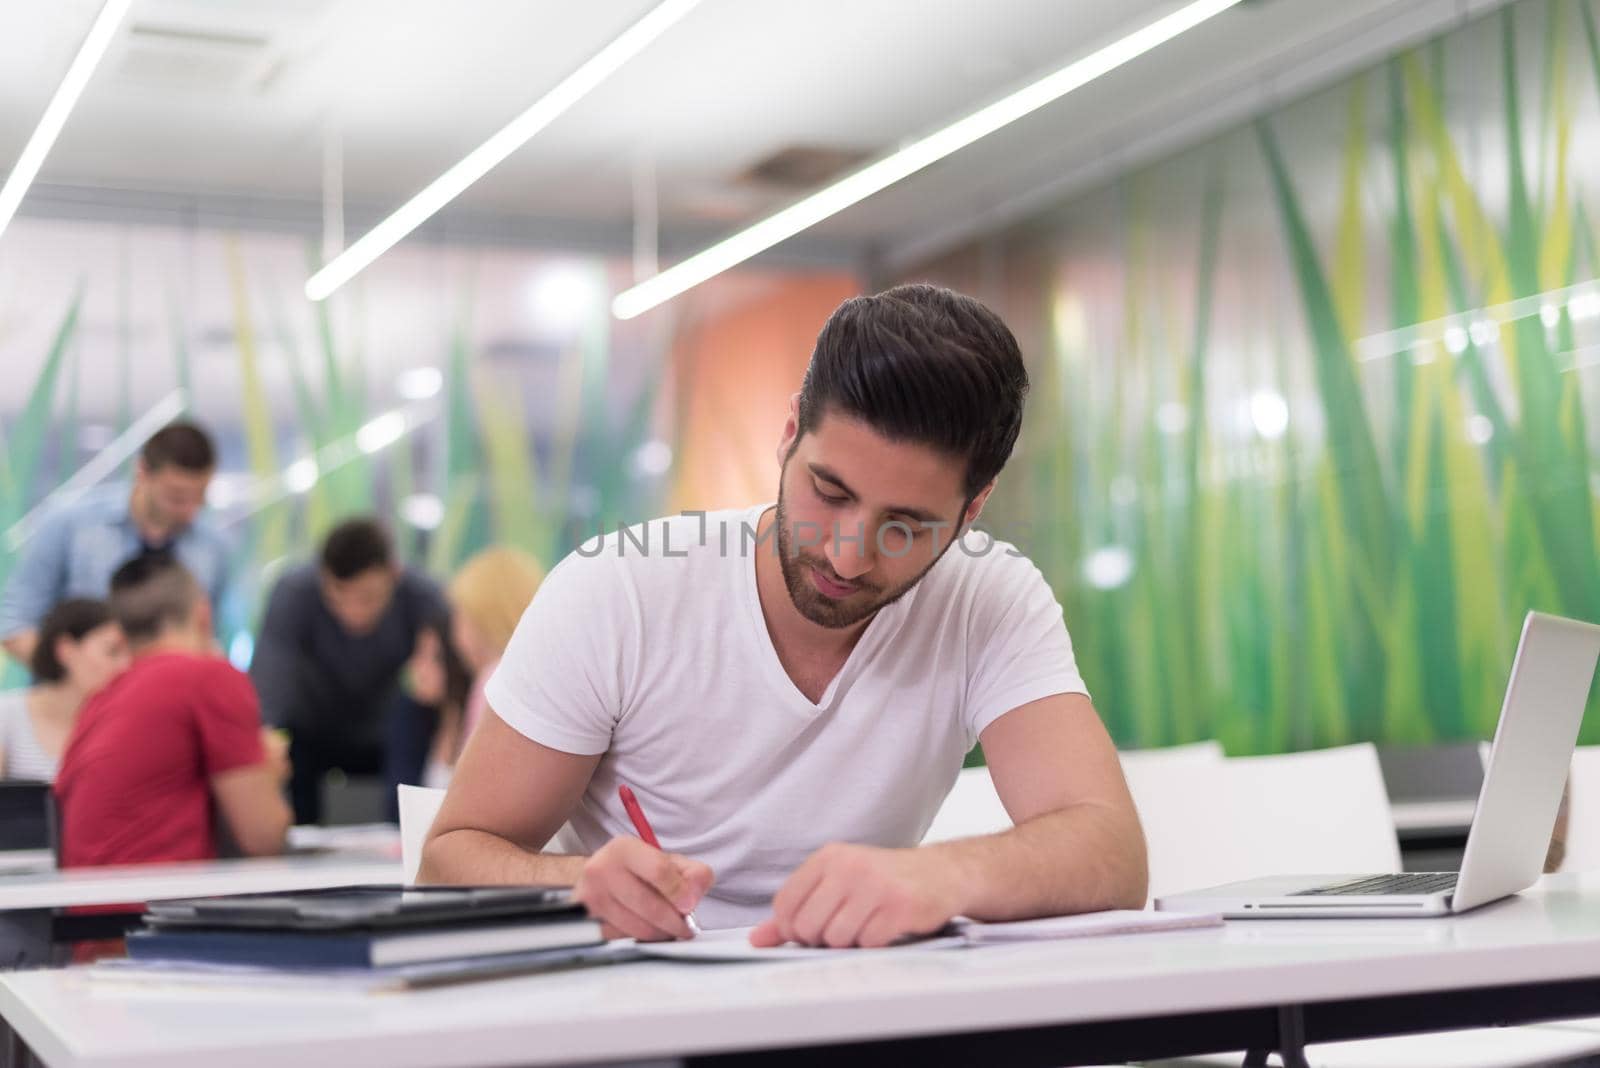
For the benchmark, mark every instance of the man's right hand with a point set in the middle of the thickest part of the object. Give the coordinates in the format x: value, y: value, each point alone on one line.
x: 636, y: 890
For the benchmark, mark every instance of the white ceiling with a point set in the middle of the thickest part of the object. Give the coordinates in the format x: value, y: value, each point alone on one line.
x: 242, y: 108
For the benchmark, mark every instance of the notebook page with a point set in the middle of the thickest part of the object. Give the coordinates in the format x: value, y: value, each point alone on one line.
x: 1084, y: 925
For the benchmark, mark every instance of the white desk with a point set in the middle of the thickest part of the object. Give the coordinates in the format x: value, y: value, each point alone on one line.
x: 154, y: 882
x: 16, y: 861
x: 32, y: 930
x: 1533, y: 957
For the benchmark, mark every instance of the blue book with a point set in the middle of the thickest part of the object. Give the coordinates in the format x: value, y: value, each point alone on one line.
x: 358, y: 948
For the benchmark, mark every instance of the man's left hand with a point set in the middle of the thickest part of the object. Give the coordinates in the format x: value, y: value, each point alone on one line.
x: 855, y: 895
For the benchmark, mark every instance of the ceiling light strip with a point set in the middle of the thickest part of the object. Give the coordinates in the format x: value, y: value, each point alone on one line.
x: 1581, y: 300
x: 883, y: 173
x: 481, y: 160
x: 60, y: 106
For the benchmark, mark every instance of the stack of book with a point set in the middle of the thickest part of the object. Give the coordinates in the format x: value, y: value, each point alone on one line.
x: 380, y: 932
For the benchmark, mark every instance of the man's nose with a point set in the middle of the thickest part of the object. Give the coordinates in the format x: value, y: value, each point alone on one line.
x: 849, y: 550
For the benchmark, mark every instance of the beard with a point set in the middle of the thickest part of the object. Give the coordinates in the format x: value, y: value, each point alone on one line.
x: 834, y: 613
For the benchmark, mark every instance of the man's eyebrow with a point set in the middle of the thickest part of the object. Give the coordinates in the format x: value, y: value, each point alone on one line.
x: 916, y: 515
x: 827, y: 475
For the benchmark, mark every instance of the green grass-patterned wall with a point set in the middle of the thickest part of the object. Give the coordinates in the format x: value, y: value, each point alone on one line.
x: 1310, y: 429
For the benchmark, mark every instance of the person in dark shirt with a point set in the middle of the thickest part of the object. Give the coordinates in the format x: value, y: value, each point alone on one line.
x: 329, y: 663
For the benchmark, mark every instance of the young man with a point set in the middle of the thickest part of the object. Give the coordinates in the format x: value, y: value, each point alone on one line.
x: 174, y: 739
x: 73, y: 552
x: 328, y: 662
x: 790, y: 691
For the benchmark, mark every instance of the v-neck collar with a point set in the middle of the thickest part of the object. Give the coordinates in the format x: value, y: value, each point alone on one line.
x: 880, y: 630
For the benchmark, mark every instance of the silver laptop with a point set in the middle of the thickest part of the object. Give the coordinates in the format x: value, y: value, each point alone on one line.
x: 1550, y: 680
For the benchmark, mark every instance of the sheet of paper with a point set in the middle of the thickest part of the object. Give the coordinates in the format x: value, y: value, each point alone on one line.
x: 733, y: 944
x: 1085, y: 925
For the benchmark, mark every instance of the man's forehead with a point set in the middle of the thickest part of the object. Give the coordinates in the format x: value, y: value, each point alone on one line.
x: 177, y: 476
x: 881, y: 470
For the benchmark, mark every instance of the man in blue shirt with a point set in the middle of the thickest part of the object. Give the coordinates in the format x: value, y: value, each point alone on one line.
x: 74, y: 551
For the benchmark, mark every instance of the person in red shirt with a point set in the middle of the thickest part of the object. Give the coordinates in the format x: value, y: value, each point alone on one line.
x: 172, y: 747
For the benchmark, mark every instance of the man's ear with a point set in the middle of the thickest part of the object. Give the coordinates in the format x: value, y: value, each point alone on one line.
x: 975, y: 509
x: 791, y: 429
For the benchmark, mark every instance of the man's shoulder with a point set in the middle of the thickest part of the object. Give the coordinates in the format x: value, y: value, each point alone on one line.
x: 164, y: 691
x: 689, y: 535
x: 104, y: 505
x: 418, y: 594
x: 979, y: 558
x: 205, y: 529
x: 418, y: 584
x: 297, y: 579
x: 980, y: 577
x: 661, y: 561
x: 197, y: 668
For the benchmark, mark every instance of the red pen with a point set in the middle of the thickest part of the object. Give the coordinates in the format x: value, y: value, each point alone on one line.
x: 648, y: 835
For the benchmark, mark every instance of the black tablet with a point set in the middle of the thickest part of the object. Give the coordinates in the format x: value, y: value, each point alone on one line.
x: 356, y: 907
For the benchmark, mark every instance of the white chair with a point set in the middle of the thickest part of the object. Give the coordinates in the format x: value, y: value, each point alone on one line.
x: 1583, y: 849
x: 1583, y: 811
x: 1141, y: 764
x: 1328, y: 811
x: 1479, y: 1047
x: 1324, y: 810
x: 418, y: 806
x: 1213, y: 822
x: 1176, y: 793
x: 973, y: 807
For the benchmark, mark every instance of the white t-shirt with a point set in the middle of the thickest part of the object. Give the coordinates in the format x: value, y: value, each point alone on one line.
x: 659, y: 658
x: 25, y: 757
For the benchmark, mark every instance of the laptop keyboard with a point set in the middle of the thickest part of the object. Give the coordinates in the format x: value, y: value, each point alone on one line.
x: 1421, y: 882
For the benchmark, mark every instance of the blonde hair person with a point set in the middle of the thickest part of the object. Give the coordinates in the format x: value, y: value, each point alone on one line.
x: 487, y: 598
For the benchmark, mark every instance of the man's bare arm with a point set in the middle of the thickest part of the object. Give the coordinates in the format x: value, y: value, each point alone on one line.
x: 1076, y: 846
x: 508, y: 797
x: 251, y: 802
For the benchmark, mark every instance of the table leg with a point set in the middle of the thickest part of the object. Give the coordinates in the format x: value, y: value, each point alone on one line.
x: 14, y: 1053
x: 25, y: 938
x: 1291, y: 1041
x: 1292, y: 1036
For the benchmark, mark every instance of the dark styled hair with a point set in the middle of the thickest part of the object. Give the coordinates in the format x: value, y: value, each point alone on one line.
x: 183, y: 445
x: 150, y: 592
x: 73, y: 618
x: 923, y: 364
x: 354, y: 546
x: 457, y: 675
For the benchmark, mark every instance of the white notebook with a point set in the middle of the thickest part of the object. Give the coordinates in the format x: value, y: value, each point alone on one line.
x: 1084, y: 925
x: 733, y: 943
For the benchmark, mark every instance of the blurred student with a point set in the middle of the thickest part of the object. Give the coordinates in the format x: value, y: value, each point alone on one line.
x: 171, y: 755
x: 328, y: 663
x: 80, y: 649
x: 487, y: 598
x: 424, y: 741
x: 76, y: 547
